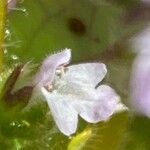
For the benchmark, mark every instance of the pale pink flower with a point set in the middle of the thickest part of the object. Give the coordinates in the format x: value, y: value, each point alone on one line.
x: 140, y: 80
x: 74, y: 92
x: 140, y: 83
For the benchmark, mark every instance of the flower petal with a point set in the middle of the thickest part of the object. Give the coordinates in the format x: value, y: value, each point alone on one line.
x: 140, y: 78
x: 140, y: 85
x: 11, y: 4
x: 111, y: 100
x: 50, y: 64
x: 64, y: 114
x: 141, y: 42
x: 87, y: 74
x: 100, y: 109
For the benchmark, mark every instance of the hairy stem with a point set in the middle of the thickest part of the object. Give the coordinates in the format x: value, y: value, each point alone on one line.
x: 2, y: 25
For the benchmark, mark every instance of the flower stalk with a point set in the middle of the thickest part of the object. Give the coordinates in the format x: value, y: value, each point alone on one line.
x: 2, y: 28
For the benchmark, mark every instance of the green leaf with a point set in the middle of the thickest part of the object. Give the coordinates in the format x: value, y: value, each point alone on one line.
x: 45, y: 27
x: 138, y: 135
x: 108, y: 135
x: 80, y: 140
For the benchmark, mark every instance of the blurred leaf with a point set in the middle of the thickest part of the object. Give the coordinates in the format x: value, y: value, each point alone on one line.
x: 138, y: 136
x: 80, y: 140
x: 45, y: 27
x: 108, y: 135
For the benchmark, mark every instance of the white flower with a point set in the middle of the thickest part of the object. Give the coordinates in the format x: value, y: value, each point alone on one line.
x: 74, y: 92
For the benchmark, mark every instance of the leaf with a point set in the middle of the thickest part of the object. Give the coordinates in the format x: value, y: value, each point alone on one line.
x: 138, y: 134
x: 80, y: 140
x: 48, y: 26
x: 108, y: 135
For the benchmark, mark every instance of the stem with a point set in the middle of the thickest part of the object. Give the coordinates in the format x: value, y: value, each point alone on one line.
x: 2, y: 29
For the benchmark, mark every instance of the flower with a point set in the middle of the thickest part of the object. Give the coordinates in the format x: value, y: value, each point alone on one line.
x: 74, y: 92
x: 140, y: 85
x: 140, y: 79
x: 141, y: 42
x: 49, y: 66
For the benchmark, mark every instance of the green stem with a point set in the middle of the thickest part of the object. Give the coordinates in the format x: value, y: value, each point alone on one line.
x: 2, y: 32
